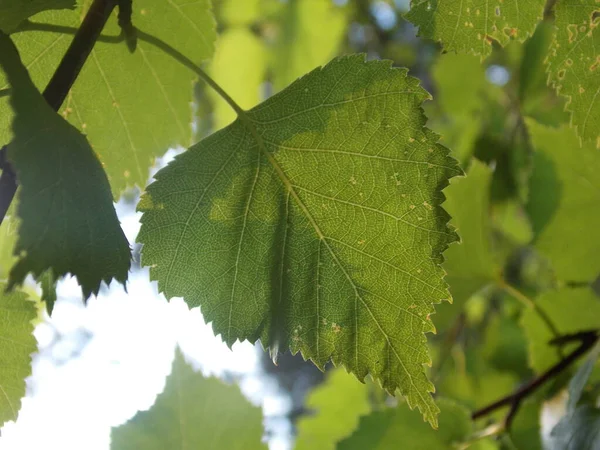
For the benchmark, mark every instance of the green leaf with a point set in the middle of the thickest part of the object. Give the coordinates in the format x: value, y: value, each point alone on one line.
x: 132, y: 107
x: 193, y: 412
x: 338, y: 405
x: 16, y: 345
x: 284, y: 225
x: 468, y: 264
x: 572, y: 310
x: 311, y: 32
x: 239, y: 48
x: 468, y: 26
x: 400, y: 428
x: 68, y: 223
x: 8, y: 238
x: 574, y: 64
x: 13, y: 12
x: 525, y: 430
x: 563, y: 202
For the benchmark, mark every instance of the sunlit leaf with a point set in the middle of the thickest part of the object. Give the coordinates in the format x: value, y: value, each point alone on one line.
x: 8, y: 238
x: 132, y: 107
x: 572, y: 310
x: 468, y: 26
x: 468, y: 264
x: 337, y: 406
x: 193, y: 412
x: 525, y: 430
x: 310, y: 34
x: 400, y: 428
x: 13, y: 12
x: 314, y: 223
x: 68, y: 223
x: 563, y: 202
x: 574, y: 64
x: 16, y: 345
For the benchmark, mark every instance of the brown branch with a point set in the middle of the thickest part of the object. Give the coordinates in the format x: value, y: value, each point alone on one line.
x: 60, y: 84
x: 587, y: 340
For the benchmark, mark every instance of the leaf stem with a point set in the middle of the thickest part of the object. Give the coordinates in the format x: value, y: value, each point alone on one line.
x: 587, y: 340
x: 61, y: 82
x: 529, y: 303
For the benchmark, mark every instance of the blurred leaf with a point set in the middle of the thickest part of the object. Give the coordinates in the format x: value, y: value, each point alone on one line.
x: 574, y: 64
x: 504, y: 345
x: 16, y: 345
x: 13, y: 12
x: 571, y: 309
x: 525, y: 430
x: 68, y: 223
x: 578, y: 430
x: 240, y: 12
x: 237, y: 48
x: 193, y: 412
x: 563, y: 202
x: 470, y: 27
x: 468, y: 264
x: 132, y: 107
x: 338, y: 405
x: 310, y: 35
x: 8, y: 238
x: 282, y: 225
x: 400, y: 428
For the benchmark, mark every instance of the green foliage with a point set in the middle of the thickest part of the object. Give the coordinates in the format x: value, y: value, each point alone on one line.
x: 572, y: 309
x: 386, y: 430
x: 16, y: 345
x: 193, y: 412
x: 564, y: 195
x: 64, y: 201
x: 471, y: 26
x: 574, y: 64
x: 272, y: 251
x: 337, y: 406
x: 12, y: 12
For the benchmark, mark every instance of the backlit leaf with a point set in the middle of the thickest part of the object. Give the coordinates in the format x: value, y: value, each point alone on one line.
x: 470, y: 26
x: 68, y: 223
x: 16, y: 345
x: 563, y: 202
x: 193, y: 412
x: 337, y: 406
x: 314, y: 223
x: 13, y: 12
x: 574, y: 64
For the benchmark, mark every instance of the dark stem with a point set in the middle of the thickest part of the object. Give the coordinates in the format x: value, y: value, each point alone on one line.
x: 587, y: 340
x: 60, y: 84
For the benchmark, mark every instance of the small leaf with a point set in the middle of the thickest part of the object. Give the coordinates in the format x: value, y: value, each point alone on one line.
x: 472, y: 27
x: 338, y: 405
x: 525, y: 430
x: 399, y: 428
x: 571, y: 309
x: 563, y: 202
x: 8, y: 238
x: 314, y: 223
x: 468, y: 264
x: 193, y: 412
x: 574, y: 64
x: 16, y: 345
x: 579, y: 380
x: 13, y: 12
x: 68, y: 223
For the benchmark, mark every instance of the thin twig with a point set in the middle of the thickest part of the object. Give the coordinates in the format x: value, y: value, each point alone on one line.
x: 61, y: 82
x: 587, y: 338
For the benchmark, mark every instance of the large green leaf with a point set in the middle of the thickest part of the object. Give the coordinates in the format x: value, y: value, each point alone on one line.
x: 563, y: 202
x: 13, y: 12
x: 399, y: 428
x: 132, y: 107
x: 468, y: 264
x: 470, y: 26
x: 574, y: 64
x: 572, y: 310
x: 68, y: 223
x: 193, y: 412
x: 311, y: 32
x: 314, y: 223
x: 16, y: 345
x: 338, y: 405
